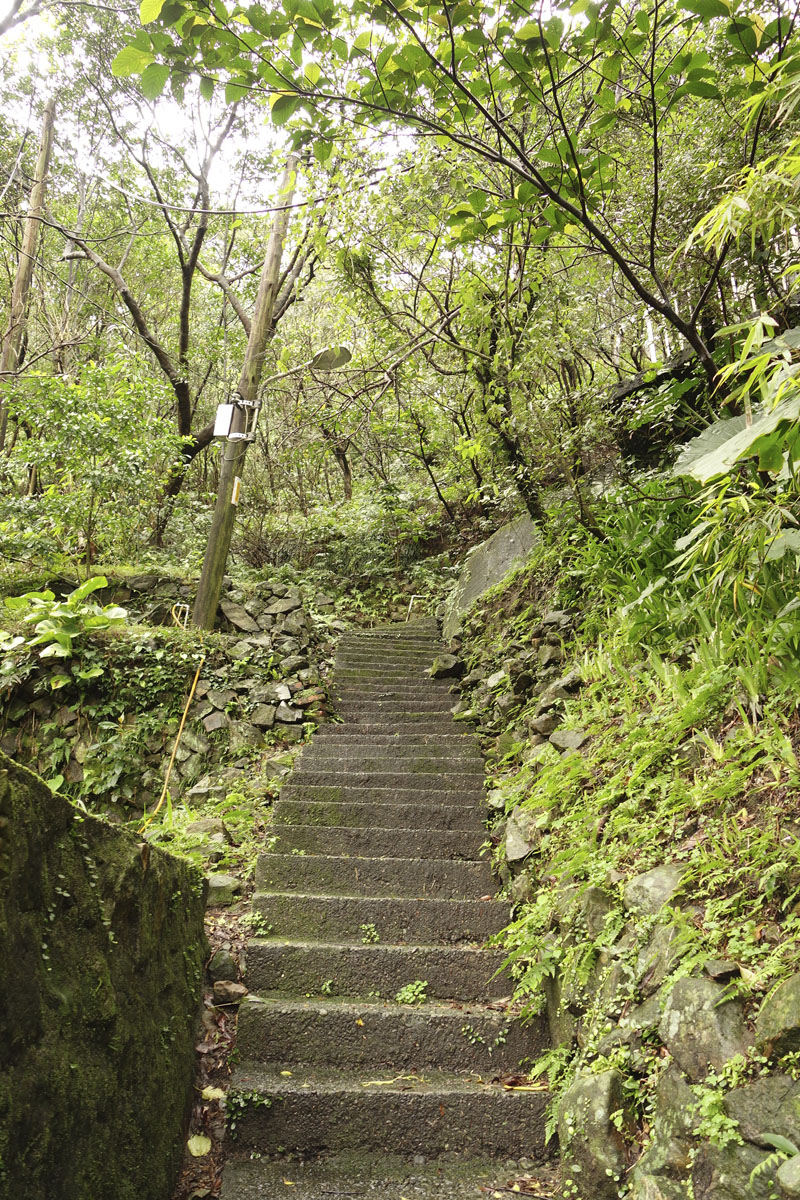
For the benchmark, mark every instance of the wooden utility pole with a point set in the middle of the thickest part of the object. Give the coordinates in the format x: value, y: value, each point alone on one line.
x: 235, y: 450
x: 12, y: 338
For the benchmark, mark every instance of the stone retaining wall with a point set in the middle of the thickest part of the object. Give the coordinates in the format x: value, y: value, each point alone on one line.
x: 101, y: 945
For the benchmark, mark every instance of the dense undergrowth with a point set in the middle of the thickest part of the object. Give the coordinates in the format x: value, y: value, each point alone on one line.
x: 688, y: 700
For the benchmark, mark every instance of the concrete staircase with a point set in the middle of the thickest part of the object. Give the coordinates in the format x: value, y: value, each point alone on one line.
x: 373, y: 883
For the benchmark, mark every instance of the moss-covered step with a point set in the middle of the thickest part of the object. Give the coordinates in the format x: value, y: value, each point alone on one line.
x: 458, y: 764
x: 433, y: 727
x: 392, y: 757
x: 372, y: 1177
x: 300, y: 967
x: 377, y: 842
x: 420, y: 690
x: 464, y: 782
x: 327, y: 735
x: 412, y: 1113
x: 343, y: 874
x: 379, y: 658
x: 383, y: 702
x: 387, y: 920
x: 399, y: 674
x: 343, y: 792
x: 334, y: 813
x: 322, y: 1032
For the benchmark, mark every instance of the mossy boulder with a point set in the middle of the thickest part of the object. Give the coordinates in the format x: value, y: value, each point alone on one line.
x: 102, y: 942
x: 778, y: 1020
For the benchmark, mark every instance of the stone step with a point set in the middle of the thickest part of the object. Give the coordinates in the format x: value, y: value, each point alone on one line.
x: 425, y: 683
x: 459, y: 765
x: 430, y: 721
x: 373, y: 1177
x: 399, y: 1112
x: 381, y: 690
x: 353, y: 793
x: 373, y: 971
x: 346, y: 875
x: 447, y: 757
x: 397, y: 674
x: 428, y: 627
x: 403, y: 704
x: 359, y: 637
x: 381, y: 648
x: 418, y: 842
x: 426, y: 637
x: 436, y: 727
x: 397, y: 920
x: 331, y: 813
x: 370, y: 653
x: 381, y: 670
x: 393, y: 633
x: 467, y: 783
x: 327, y: 735
x: 322, y: 1032
x: 374, y: 654
x: 428, y: 630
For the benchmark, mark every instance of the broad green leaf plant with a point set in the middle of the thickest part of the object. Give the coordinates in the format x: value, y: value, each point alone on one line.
x: 57, y: 625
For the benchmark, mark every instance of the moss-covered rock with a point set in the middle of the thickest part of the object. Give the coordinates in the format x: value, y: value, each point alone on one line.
x: 101, y: 941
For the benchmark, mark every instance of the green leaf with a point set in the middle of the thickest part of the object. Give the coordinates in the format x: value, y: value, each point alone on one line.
x: 699, y: 87
x: 154, y: 80
x: 529, y: 32
x: 235, y: 91
x: 786, y: 542
x: 149, y: 10
x: 130, y: 61
x: 55, y: 783
x: 206, y: 87
x: 742, y: 36
x: 477, y: 200
x: 114, y: 613
x: 89, y: 672
x: 707, y: 9
x: 15, y: 603
x: 777, y: 1140
x: 717, y: 449
x: 282, y: 106
x: 87, y: 587
x: 54, y: 650
x: 770, y: 452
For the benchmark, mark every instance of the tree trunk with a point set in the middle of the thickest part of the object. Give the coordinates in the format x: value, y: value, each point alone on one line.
x: 12, y: 339
x: 234, y: 451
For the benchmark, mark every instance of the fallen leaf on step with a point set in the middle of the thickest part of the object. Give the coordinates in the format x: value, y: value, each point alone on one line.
x: 198, y: 1145
x: 519, y: 1083
x: 389, y: 1082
